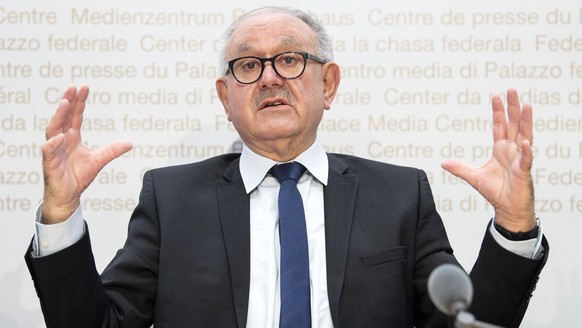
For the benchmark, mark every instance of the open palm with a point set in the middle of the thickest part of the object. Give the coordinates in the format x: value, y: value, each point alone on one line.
x: 69, y: 166
x: 505, y: 180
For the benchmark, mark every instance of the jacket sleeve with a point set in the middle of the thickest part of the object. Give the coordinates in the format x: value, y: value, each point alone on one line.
x: 503, y: 283
x: 73, y: 294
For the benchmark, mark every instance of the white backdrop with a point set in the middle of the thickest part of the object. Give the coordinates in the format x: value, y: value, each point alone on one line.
x: 417, y: 81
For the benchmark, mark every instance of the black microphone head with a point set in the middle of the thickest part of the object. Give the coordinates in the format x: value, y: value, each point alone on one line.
x: 450, y: 289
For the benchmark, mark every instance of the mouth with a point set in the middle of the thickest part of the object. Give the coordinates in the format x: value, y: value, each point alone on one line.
x: 269, y: 103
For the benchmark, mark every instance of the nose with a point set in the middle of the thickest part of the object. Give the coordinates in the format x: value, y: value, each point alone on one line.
x: 270, y: 78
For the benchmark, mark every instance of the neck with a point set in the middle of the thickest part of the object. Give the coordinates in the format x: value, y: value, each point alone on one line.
x: 281, y: 150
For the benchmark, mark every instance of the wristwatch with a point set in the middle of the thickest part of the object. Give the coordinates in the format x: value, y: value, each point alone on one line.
x: 517, y: 236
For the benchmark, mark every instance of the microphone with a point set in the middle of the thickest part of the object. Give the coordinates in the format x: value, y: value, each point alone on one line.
x: 450, y: 289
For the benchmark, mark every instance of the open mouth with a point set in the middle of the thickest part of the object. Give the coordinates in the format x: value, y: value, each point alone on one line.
x: 272, y: 103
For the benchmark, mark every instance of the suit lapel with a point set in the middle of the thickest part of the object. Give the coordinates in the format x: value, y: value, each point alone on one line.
x: 339, y: 202
x: 233, y: 205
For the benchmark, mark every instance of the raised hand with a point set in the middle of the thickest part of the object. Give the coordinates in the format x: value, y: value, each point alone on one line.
x: 505, y: 180
x: 69, y: 166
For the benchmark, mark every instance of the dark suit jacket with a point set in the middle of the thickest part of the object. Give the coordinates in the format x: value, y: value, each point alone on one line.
x: 186, y: 259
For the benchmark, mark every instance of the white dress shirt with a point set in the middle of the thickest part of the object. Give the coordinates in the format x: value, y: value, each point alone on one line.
x: 264, y: 300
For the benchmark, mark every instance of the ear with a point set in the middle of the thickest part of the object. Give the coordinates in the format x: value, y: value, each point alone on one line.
x: 222, y: 91
x: 331, y: 80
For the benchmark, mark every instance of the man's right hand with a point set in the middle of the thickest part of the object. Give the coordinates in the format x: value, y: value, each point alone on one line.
x: 69, y: 166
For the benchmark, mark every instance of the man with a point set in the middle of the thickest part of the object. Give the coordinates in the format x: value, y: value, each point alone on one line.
x: 203, y: 243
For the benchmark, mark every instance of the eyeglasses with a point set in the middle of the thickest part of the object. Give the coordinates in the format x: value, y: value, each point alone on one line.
x: 288, y: 65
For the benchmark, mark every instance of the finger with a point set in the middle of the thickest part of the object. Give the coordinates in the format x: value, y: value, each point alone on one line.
x: 79, y: 107
x: 110, y: 152
x: 526, y: 124
x: 499, y: 120
x: 58, y: 121
x: 513, y: 114
x: 461, y: 170
x: 70, y: 95
x: 526, y: 160
x: 50, y: 147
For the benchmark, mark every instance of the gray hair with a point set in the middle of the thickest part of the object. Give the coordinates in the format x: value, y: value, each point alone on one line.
x: 323, y: 47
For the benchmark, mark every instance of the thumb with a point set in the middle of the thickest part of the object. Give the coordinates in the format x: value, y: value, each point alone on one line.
x: 461, y: 170
x: 111, y: 151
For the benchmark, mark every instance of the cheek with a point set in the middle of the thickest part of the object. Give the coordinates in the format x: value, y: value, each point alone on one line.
x: 239, y: 100
x: 241, y: 112
x: 313, y: 98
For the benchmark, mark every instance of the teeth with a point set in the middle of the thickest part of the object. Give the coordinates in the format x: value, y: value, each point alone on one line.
x: 275, y: 103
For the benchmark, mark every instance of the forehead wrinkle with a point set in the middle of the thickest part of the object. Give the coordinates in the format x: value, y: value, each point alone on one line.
x: 289, y: 40
x: 243, y: 47
x: 246, y: 47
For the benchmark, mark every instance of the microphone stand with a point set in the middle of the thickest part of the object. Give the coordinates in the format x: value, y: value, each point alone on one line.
x: 465, y: 319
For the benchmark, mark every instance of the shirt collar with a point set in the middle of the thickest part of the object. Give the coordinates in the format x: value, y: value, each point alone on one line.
x: 254, y: 167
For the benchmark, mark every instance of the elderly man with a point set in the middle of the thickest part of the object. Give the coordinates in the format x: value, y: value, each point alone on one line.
x: 232, y: 241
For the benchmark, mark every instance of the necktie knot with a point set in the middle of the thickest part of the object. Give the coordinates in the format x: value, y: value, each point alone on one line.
x: 292, y: 170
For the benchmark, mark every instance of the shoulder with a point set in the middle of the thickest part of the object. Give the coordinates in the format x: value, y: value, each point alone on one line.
x: 358, y: 165
x: 375, y: 175
x: 211, y: 167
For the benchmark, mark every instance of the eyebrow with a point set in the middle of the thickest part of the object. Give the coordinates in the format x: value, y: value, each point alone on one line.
x: 285, y: 40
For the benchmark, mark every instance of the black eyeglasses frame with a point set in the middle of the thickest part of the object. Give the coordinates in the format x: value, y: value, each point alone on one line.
x: 303, y: 54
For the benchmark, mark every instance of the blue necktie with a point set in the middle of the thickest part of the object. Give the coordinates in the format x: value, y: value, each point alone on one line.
x: 295, y: 295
